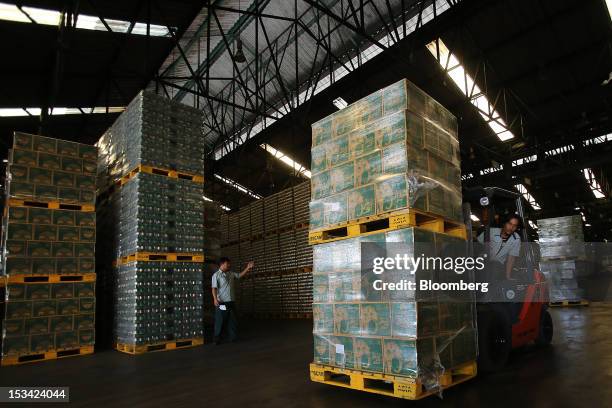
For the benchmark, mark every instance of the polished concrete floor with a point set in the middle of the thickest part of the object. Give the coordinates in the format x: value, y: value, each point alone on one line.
x: 269, y: 368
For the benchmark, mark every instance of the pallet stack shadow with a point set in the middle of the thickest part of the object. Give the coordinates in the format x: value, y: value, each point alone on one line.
x: 386, y: 171
x: 563, y: 257
x: 48, y: 244
x: 273, y: 232
x: 150, y: 217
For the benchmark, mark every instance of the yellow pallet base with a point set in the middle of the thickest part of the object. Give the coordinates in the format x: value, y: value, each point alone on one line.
x: 164, y: 346
x: 388, y: 222
x: 77, y: 277
x: 52, y: 204
x: 160, y: 256
x: 175, y: 174
x: 392, y: 386
x: 569, y: 303
x: 49, y: 355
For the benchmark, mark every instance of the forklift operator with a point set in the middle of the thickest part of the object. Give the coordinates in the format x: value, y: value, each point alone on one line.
x: 505, y: 244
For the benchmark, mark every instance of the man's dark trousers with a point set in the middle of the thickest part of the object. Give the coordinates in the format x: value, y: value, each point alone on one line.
x: 226, y: 322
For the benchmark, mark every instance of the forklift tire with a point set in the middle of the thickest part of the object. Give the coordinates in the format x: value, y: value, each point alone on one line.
x: 494, y: 340
x: 546, y: 330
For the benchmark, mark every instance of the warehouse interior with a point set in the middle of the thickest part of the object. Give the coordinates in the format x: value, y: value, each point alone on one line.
x: 528, y: 83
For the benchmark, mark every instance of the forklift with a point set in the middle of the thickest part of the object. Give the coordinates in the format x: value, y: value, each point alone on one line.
x: 514, y: 312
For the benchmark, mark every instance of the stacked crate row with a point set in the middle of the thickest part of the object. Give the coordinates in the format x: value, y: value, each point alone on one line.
x: 273, y: 232
x: 48, y: 249
x: 391, y: 152
x: 563, y: 257
x: 150, y: 215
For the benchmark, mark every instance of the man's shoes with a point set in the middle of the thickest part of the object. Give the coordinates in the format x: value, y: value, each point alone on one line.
x: 217, y: 341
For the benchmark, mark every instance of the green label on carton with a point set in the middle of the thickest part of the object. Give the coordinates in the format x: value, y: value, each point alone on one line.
x: 320, y: 287
x: 337, y: 150
x: 368, y: 354
x: 391, y: 194
x: 321, y: 185
x: 368, y: 168
x: 40, y: 216
x: 322, y: 349
x: 342, y: 351
x: 318, y: 161
x: 375, y: 319
x: 342, y: 178
x: 335, y: 209
x: 346, y: 319
x: 400, y: 357
x: 362, y: 202
x: 362, y: 141
x: 49, y: 161
x: 321, y: 132
x: 323, y: 318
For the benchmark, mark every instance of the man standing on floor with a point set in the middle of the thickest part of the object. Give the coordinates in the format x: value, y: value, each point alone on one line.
x: 223, y: 292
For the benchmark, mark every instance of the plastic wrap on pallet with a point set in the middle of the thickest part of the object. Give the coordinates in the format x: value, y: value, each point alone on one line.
x: 561, y: 237
x: 414, y: 334
x: 563, y: 251
x: 152, y: 131
x: 168, y: 305
x: 381, y: 154
x: 42, y: 317
x: 157, y: 213
x: 46, y: 169
x: 565, y: 278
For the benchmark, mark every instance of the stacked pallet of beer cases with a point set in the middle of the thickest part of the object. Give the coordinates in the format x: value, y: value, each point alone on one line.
x: 150, y: 177
x: 273, y: 232
x: 386, y: 170
x: 563, y: 257
x: 48, y: 242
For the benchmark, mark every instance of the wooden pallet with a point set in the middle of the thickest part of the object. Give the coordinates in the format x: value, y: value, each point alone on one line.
x: 393, y: 386
x: 49, y: 355
x: 52, y: 204
x: 163, y: 346
x: 77, y: 277
x: 160, y: 256
x: 388, y: 222
x: 175, y: 174
x: 569, y: 303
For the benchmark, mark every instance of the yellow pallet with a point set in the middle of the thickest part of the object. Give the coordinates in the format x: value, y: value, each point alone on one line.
x: 76, y: 277
x: 388, y: 222
x: 390, y: 385
x: 163, y: 346
x: 160, y: 256
x: 49, y: 355
x: 2, y: 282
x: 51, y: 204
x: 175, y: 174
x: 569, y: 303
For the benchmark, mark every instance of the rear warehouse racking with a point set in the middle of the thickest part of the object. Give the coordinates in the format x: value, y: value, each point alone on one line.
x: 273, y: 232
